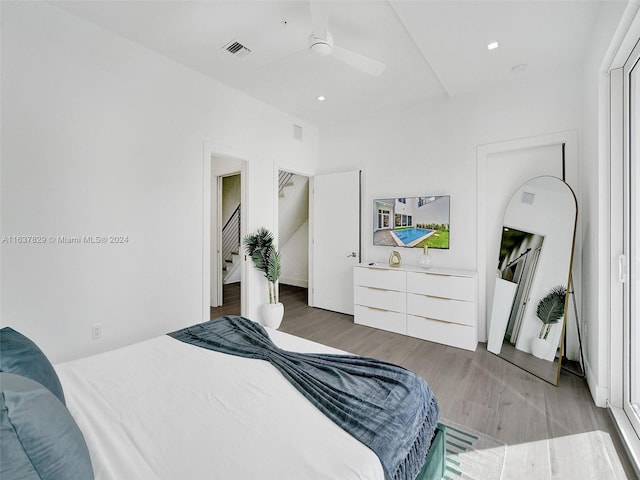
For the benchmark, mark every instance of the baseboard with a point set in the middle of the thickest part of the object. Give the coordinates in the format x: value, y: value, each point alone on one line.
x: 599, y: 394
x: 294, y: 282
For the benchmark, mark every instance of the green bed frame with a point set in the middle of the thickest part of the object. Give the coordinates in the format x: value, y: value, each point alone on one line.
x: 434, y: 465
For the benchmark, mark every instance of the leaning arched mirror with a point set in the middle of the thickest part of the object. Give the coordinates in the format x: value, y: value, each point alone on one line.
x: 533, y: 273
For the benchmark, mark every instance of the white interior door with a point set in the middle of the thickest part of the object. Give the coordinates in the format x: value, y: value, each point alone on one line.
x: 335, y: 240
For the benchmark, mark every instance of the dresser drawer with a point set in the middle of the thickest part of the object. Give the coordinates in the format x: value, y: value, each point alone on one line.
x: 380, y: 278
x: 461, y: 336
x: 382, y: 319
x: 380, y: 298
x: 454, y: 311
x: 437, y: 285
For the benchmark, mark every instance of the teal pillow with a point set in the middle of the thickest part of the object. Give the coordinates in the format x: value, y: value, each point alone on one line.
x: 38, y: 437
x: 21, y: 356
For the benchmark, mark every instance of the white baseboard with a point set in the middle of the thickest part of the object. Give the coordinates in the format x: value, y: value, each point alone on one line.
x: 294, y: 282
x: 599, y: 394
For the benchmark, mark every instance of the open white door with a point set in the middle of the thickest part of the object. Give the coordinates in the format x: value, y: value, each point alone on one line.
x: 335, y: 238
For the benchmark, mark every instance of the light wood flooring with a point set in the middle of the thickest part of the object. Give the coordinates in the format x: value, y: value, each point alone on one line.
x: 551, y: 432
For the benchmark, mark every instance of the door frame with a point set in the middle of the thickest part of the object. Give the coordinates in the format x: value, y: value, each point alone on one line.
x: 211, y: 150
x: 570, y: 140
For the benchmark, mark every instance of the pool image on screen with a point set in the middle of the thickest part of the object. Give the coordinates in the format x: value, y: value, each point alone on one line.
x: 407, y: 236
x: 411, y: 221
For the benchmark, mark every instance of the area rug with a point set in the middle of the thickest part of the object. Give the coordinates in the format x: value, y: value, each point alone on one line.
x: 472, y: 455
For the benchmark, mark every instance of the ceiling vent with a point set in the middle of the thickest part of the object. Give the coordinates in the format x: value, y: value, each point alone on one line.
x: 237, y: 49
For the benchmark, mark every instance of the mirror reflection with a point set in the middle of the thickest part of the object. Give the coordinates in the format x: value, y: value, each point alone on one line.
x: 526, y: 326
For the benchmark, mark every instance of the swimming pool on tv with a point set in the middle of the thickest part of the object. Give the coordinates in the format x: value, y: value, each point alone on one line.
x: 409, y: 235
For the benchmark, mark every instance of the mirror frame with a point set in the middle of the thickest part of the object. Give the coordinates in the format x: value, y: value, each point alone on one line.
x: 560, y: 349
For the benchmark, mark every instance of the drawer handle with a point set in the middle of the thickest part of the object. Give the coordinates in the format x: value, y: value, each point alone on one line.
x: 434, y: 274
x: 439, y: 298
x: 378, y: 288
x: 378, y: 309
x: 433, y: 319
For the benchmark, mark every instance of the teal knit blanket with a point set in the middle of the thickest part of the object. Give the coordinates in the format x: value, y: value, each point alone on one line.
x: 389, y: 409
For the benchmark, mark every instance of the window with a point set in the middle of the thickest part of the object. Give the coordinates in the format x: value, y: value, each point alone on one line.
x: 383, y: 218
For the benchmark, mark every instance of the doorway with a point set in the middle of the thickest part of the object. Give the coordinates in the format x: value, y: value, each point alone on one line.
x: 293, y: 229
x: 226, y: 220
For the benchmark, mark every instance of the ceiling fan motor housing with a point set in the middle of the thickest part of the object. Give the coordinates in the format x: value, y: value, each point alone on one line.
x: 321, y: 46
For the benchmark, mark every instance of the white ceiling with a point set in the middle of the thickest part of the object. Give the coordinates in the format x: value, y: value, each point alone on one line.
x: 431, y: 48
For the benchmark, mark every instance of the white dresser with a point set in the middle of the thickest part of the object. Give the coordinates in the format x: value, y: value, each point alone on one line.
x: 439, y: 305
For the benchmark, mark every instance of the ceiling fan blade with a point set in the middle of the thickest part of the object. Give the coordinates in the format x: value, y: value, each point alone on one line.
x: 319, y: 18
x: 365, y: 64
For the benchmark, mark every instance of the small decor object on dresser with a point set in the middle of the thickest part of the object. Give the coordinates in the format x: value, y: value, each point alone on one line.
x: 395, y: 260
x: 425, y: 261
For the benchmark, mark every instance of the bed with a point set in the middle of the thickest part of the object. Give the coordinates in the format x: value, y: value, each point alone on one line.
x: 169, y: 409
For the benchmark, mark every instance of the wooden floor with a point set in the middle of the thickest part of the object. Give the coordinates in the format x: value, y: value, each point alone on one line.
x: 551, y: 432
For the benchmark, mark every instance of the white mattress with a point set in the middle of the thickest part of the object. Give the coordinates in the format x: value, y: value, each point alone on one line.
x: 163, y: 409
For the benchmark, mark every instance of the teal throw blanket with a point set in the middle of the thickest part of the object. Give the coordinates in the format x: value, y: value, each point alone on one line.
x: 386, y: 407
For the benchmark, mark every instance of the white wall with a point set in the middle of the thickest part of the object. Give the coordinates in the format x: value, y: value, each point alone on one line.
x: 103, y: 137
x: 430, y: 149
x: 295, y: 258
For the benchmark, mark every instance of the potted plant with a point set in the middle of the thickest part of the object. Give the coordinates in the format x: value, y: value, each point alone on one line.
x: 550, y: 310
x: 259, y: 246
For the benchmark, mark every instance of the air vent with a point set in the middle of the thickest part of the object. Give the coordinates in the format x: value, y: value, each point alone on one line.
x: 297, y: 132
x: 237, y: 49
x: 527, y: 197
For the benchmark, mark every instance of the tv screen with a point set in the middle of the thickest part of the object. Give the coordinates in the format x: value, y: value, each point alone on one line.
x: 411, y: 221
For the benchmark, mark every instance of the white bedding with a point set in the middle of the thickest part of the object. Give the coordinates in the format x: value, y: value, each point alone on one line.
x: 163, y: 409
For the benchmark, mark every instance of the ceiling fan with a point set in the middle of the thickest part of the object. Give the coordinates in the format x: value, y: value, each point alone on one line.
x: 321, y: 42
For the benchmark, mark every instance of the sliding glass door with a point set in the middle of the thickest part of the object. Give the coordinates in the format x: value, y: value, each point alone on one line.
x: 632, y: 241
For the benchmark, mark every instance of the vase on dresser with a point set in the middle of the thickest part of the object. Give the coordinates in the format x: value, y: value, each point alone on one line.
x: 425, y: 261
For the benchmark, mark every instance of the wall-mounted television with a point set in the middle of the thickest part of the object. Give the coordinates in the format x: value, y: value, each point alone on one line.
x: 411, y: 221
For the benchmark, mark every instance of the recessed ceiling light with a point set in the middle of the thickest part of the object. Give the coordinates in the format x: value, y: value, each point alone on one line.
x: 321, y: 98
x: 492, y: 46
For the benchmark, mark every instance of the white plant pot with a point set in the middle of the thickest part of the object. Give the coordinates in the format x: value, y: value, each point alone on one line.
x: 539, y: 347
x: 272, y: 314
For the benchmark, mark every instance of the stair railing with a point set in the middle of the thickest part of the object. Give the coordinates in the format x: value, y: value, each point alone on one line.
x: 231, y: 235
x: 283, y: 181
